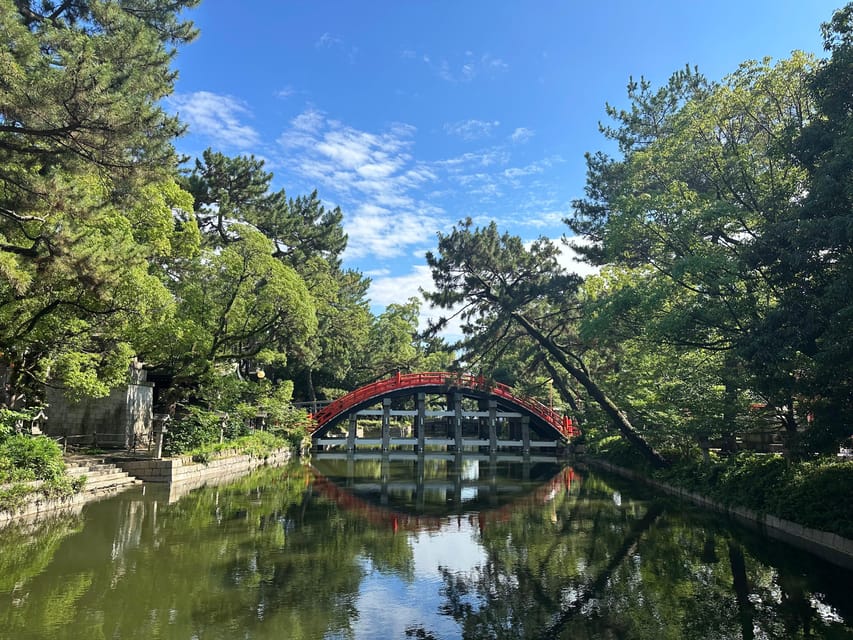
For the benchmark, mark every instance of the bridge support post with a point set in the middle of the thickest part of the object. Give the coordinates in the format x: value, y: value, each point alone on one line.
x: 386, y: 424
x: 525, y: 435
x: 351, y: 433
x: 493, y: 426
x: 457, y: 420
x: 457, y: 478
x: 420, y: 423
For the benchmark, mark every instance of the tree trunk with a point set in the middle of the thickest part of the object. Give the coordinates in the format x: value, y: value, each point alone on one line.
x: 616, y: 415
x: 565, y: 393
x: 729, y: 444
x: 312, y: 394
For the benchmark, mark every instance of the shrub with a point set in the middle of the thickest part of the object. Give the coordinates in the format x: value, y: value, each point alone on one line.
x: 751, y: 480
x: 195, y: 429
x: 30, y: 458
x: 817, y: 495
x: 11, y: 420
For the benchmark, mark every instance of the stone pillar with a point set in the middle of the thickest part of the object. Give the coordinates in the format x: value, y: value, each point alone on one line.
x: 457, y: 420
x: 351, y: 433
x: 493, y: 430
x: 160, y: 428
x: 525, y: 435
x: 386, y: 424
x: 420, y: 423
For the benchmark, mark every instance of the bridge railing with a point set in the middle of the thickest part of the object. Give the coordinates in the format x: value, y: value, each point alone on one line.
x: 442, y: 379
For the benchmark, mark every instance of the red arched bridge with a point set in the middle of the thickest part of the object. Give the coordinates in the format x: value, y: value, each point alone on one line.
x: 472, y: 412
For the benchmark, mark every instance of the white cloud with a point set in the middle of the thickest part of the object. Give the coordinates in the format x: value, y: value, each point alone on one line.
x: 372, y: 175
x: 485, y: 158
x: 472, y: 129
x: 397, y: 289
x: 519, y: 172
x: 569, y: 259
x: 464, y: 69
x: 328, y: 41
x: 521, y: 135
x: 286, y: 92
x: 217, y: 117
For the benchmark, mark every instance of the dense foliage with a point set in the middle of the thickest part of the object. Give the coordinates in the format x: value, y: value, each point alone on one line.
x: 721, y: 229
x: 30, y: 465
x: 810, y: 493
x: 230, y: 292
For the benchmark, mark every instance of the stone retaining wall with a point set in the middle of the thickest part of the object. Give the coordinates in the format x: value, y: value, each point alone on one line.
x: 831, y: 546
x: 39, y: 506
x: 182, y: 474
x: 184, y: 470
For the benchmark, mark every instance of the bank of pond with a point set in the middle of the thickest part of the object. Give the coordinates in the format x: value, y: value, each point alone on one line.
x: 426, y: 547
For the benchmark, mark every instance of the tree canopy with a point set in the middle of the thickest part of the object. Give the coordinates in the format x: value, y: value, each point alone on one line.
x: 722, y: 230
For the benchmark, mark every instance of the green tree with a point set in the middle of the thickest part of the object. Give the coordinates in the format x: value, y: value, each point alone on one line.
x: 705, y: 174
x: 331, y: 358
x: 83, y: 143
x: 500, y: 283
x: 238, y: 189
x: 812, y: 249
x: 238, y: 306
x: 305, y: 237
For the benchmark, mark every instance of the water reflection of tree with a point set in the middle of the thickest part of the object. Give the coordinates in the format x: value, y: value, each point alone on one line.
x: 600, y: 567
x: 294, y: 567
x: 25, y: 552
x: 258, y: 558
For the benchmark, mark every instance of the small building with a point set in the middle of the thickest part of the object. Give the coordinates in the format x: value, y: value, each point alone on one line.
x: 121, y: 420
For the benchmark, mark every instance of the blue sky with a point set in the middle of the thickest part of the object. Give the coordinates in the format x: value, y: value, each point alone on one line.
x: 413, y: 115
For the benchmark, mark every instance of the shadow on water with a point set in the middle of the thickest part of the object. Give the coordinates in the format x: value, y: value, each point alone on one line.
x: 425, y: 547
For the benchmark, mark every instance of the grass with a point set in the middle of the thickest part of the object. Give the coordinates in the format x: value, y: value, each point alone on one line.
x: 258, y: 445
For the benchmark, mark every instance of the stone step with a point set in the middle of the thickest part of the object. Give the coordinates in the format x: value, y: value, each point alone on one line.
x: 91, y: 472
x: 99, y: 473
x: 115, y: 480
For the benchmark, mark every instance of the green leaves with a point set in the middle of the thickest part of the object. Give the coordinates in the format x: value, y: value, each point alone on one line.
x: 700, y: 216
x: 87, y: 196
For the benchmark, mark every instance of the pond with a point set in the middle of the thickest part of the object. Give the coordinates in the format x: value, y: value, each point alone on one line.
x: 421, y: 547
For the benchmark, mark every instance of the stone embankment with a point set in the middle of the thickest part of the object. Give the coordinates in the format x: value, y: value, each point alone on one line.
x: 831, y: 546
x: 184, y: 470
x: 103, y: 478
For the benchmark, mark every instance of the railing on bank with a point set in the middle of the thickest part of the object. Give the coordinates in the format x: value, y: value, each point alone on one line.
x: 377, y: 389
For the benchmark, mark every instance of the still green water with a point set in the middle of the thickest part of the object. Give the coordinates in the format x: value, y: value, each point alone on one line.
x: 425, y: 548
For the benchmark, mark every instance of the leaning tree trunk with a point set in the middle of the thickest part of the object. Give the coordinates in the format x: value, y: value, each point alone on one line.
x: 616, y: 415
x: 565, y: 393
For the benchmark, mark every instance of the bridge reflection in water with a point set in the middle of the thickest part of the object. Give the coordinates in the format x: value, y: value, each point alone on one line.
x: 421, y: 491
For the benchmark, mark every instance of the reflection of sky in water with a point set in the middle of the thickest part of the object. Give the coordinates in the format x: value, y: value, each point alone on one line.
x: 388, y: 605
x: 469, y: 493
